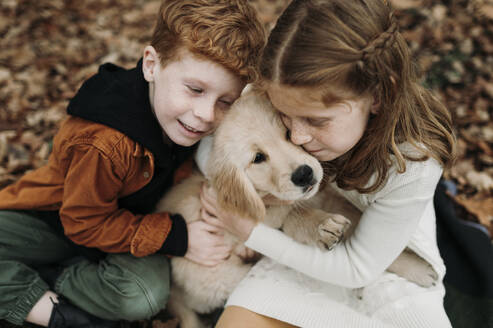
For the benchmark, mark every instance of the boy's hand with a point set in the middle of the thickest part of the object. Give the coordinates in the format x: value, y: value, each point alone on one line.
x: 211, y: 213
x: 206, y: 244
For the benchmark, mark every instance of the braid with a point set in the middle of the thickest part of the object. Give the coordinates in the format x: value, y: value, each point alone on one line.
x: 380, y: 44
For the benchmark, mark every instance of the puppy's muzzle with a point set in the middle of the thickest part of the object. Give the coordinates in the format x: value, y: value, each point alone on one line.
x: 303, y: 177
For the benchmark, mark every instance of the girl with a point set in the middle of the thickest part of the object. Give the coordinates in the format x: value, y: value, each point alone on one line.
x: 341, y: 76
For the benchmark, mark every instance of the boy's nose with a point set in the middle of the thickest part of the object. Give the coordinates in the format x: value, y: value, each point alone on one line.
x: 204, y: 111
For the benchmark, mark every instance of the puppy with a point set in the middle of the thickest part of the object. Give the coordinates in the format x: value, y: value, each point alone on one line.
x: 249, y: 157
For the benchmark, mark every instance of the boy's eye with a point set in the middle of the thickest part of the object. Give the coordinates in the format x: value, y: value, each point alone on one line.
x: 194, y: 90
x: 226, y: 103
x: 259, y: 158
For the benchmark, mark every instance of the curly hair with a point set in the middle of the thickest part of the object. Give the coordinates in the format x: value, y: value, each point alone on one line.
x: 355, y: 46
x: 227, y: 32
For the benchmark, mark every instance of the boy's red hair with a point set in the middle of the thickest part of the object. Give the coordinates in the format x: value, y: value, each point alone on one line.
x: 225, y: 31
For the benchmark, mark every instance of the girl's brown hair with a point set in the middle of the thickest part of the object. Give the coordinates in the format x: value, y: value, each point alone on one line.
x: 225, y: 31
x: 356, y: 46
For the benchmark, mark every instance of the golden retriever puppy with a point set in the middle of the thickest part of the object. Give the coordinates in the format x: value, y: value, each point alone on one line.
x: 250, y: 157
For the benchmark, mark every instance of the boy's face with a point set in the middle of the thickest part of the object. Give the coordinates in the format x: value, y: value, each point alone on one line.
x: 189, y: 95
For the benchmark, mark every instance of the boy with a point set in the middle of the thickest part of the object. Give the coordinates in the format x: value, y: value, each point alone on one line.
x: 128, y: 132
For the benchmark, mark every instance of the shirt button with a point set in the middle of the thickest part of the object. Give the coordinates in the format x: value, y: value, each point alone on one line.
x: 146, y: 175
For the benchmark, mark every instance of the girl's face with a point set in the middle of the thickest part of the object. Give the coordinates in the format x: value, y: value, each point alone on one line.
x: 326, y: 132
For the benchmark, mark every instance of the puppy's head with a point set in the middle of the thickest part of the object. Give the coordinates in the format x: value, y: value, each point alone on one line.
x: 252, y: 157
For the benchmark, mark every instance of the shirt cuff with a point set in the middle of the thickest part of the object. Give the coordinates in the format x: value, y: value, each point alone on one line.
x: 176, y: 242
x: 268, y: 241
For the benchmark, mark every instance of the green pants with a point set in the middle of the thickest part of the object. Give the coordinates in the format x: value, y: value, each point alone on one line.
x: 119, y: 287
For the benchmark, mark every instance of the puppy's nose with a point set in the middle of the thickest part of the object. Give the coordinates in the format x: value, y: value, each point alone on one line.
x: 302, y: 176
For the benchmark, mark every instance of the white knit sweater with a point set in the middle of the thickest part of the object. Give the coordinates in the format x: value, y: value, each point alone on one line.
x: 309, y: 287
x: 399, y: 214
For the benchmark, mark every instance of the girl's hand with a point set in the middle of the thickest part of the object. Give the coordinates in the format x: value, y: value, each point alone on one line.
x: 206, y: 244
x: 211, y: 213
x: 248, y: 255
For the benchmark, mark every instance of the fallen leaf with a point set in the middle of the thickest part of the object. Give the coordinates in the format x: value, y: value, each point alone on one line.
x: 481, y: 206
x: 479, y: 180
x: 487, y: 10
x: 406, y: 4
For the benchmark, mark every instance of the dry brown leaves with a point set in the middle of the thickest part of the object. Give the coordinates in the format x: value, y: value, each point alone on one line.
x: 48, y: 48
x: 453, y: 44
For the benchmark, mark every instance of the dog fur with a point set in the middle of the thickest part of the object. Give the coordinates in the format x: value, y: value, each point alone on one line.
x: 251, y: 157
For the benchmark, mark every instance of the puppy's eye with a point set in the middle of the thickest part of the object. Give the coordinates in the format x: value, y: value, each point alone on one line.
x: 259, y: 158
x: 288, y: 135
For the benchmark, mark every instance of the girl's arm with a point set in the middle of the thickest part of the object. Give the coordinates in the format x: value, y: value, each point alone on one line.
x: 383, y: 232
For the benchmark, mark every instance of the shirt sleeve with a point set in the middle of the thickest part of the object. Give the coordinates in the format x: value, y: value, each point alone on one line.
x: 90, y: 214
x: 385, y: 228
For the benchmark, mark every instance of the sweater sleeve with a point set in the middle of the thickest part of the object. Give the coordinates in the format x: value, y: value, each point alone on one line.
x: 385, y: 228
x: 90, y: 213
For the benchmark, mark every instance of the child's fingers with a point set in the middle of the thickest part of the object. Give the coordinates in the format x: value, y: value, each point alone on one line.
x: 219, y: 256
x: 213, y: 229
x: 223, y: 250
x: 208, y: 225
x: 207, y: 195
x: 208, y: 206
x: 218, y: 243
x: 210, y: 219
x: 204, y: 261
x: 211, y: 256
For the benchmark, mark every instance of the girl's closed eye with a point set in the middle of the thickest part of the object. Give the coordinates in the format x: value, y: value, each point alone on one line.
x: 318, y: 121
x: 194, y: 89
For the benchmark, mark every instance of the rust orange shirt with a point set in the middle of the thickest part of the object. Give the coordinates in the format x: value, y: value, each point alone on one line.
x: 91, y: 166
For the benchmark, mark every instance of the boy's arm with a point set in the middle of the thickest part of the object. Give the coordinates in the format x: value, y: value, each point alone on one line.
x: 91, y: 217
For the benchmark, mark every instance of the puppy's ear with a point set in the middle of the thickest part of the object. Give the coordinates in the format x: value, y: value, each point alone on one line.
x: 235, y: 193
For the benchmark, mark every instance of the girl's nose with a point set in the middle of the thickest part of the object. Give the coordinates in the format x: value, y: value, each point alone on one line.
x: 299, y: 134
x: 205, y: 111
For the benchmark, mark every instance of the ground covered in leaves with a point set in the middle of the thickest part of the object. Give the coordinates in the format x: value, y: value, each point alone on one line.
x: 48, y: 48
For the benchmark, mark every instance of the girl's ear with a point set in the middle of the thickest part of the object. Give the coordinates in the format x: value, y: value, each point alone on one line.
x: 150, y: 63
x: 235, y: 192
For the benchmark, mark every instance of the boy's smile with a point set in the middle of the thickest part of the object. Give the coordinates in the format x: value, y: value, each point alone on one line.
x: 190, y: 95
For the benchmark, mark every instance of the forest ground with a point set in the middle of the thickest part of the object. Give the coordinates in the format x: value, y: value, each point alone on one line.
x: 48, y: 48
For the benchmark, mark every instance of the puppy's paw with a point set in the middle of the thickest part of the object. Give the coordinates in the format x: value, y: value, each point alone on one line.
x: 425, y: 277
x: 413, y: 268
x: 331, y: 231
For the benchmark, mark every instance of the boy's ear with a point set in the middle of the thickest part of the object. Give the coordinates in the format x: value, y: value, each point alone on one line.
x: 150, y: 63
x: 375, y: 106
